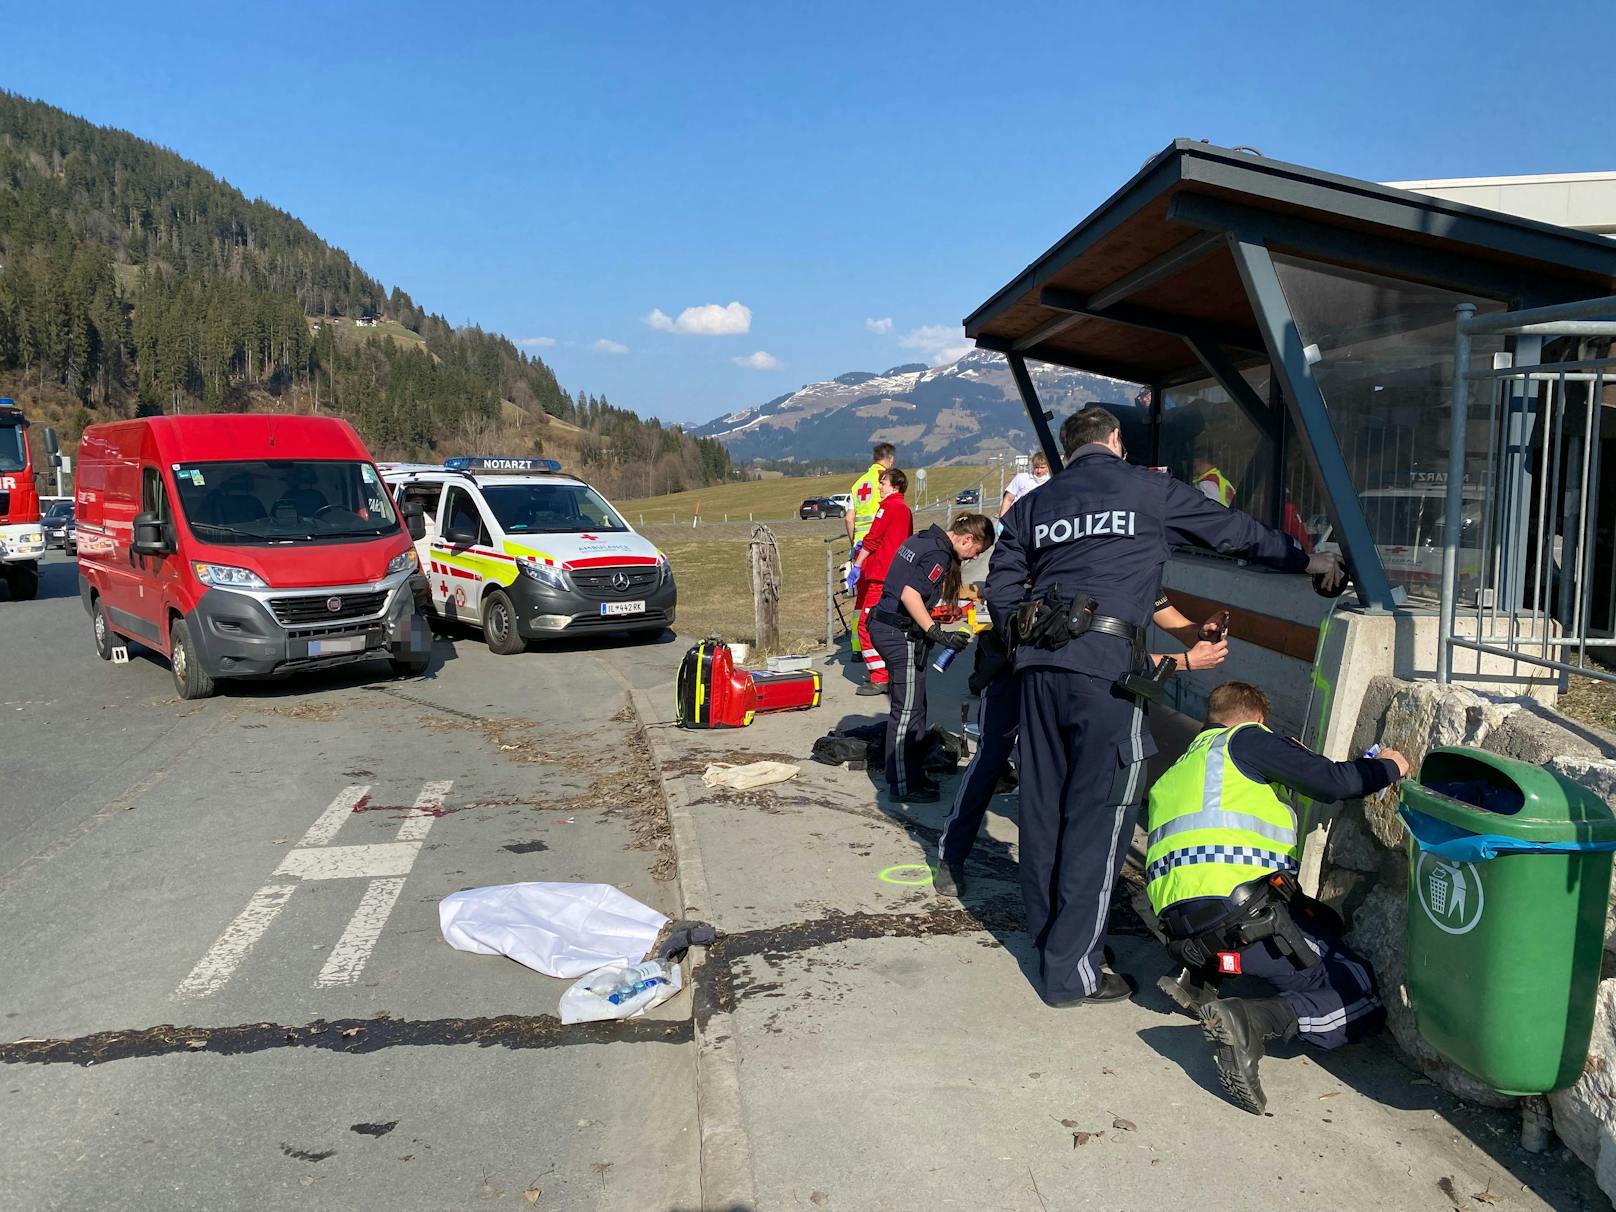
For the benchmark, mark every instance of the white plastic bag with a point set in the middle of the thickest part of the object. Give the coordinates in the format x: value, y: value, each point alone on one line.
x: 586, y: 1000
x: 562, y: 930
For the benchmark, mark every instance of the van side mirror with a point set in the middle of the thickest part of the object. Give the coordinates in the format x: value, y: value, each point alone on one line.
x: 151, y: 536
x: 459, y: 536
x: 51, y: 444
x: 414, y: 520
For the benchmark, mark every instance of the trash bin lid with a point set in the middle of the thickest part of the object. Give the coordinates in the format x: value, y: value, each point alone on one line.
x: 1487, y: 793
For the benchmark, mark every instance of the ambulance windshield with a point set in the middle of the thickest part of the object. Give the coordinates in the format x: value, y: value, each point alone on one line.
x: 550, y: 508
x: 284, y: 500
x: 13, y: 448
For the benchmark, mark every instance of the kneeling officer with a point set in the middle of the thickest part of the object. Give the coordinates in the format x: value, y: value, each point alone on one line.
x: 1221, y: 875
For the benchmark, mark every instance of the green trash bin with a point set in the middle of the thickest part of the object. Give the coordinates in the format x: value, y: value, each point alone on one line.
x: 1509, y: 874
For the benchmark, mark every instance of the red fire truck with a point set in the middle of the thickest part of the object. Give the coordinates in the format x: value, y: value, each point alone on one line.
x: 22, y: 539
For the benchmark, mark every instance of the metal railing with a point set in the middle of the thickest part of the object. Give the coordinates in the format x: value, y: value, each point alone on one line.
x: 1521, y: 542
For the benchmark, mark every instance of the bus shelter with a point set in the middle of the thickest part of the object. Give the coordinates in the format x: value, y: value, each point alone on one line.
x: 1295, y: 330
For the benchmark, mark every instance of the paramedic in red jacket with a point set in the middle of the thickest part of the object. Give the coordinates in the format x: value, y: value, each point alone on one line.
x: 892, y: 525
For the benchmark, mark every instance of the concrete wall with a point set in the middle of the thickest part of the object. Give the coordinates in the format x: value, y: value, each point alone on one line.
x: 1363, y: 869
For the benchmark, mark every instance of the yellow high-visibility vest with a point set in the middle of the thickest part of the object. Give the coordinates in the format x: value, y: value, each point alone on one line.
x: 1211, y: 827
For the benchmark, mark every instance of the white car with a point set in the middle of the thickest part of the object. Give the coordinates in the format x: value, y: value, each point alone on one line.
x: 523, y: 551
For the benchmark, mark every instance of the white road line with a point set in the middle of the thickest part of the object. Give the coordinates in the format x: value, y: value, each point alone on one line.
x: 226, y: 954
x: 350, y: 862
x: 385, y: 864
x: 428, y: 805
x: 323, y: 830
x: 347, y: 958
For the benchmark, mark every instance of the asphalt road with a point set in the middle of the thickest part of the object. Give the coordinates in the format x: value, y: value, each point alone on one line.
x: 250, y: 1011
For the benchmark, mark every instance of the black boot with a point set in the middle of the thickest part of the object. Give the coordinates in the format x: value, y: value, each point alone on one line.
x: 1188, y: 991
x: 1238, y: 1026
x: 949, y: 879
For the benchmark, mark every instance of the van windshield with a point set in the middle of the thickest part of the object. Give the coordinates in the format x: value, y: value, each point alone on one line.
x: 550, y: 508
x: 283, y: 500
x: 13, y: 448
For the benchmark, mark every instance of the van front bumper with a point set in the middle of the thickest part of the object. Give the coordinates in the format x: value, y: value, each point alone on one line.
x: 543, y: 612
x: 238, y: 635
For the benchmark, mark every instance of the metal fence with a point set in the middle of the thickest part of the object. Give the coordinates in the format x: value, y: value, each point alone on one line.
x: 1528, y: 564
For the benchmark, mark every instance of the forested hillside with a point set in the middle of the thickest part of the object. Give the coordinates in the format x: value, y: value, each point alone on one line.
x: 132, y: 280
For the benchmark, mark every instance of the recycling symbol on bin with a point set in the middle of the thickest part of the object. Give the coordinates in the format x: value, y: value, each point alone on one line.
x: 1450, y: 893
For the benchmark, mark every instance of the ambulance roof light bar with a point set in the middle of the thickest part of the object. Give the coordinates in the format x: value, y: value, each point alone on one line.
x: 488, y: 463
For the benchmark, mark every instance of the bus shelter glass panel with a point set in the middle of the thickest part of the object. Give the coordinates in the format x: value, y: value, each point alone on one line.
x: 1205, y: 434
x: 1381, y: 351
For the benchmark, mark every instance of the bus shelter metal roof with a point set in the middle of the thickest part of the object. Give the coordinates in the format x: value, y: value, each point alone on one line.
x: 1171, y: 279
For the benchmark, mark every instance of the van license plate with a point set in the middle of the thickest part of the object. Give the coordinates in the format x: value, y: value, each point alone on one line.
x: 346, y: 643
x: 622, y: 607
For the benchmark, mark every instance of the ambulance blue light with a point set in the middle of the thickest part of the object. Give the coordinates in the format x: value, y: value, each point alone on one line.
x: 491, y: 463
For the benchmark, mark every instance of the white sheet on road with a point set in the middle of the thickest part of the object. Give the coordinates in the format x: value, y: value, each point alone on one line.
x: 562, y: 930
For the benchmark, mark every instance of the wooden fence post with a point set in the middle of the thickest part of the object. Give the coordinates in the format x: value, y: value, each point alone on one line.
x: 763, y: 554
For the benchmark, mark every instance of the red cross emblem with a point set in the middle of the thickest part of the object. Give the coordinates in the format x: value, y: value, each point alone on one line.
x: 864, y: 491
x: 590, y: 537
x: 443, y: 588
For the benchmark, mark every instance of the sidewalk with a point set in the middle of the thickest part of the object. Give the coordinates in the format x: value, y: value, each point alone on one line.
x: 866, y: 1044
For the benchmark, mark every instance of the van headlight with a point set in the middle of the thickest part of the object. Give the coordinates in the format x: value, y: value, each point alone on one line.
x: 664, y: 569
x: 544, y: 574
x: 226, y: 576
x: 404, y: 559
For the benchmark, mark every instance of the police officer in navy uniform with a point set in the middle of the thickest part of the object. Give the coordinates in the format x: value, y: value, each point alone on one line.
x: 925, y: 571
x: 999, y: 718
x: 1083, y: 558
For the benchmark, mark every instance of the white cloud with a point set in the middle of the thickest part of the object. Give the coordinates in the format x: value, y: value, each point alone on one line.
x: 879, y: 327
x: 939, y: 342
x: 708, y: 320
x: 535, y: 342
x: 611, y: 347
x: 758, y: 361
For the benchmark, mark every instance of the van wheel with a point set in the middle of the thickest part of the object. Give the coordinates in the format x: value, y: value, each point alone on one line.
x: 104, y: 640
x: 499, y: 624
x: 23, y: 582
x: 190, y: 679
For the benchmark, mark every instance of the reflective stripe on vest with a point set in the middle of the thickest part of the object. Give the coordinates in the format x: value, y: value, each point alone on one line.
x: 1221, y: 482
x: 1212, y: 828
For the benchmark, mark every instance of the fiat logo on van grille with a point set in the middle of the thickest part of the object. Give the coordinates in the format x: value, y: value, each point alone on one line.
x: 333, y: 604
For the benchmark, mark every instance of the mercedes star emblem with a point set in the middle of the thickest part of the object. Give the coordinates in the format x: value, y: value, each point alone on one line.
x: 620, y: 581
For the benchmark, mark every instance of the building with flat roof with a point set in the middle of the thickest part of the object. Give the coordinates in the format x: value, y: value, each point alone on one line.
x: 1583, y: 201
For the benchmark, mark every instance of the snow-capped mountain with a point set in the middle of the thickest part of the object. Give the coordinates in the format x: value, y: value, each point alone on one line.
x: 965, y: 411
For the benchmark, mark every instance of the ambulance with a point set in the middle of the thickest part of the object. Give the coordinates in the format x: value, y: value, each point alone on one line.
x: 522, y: 551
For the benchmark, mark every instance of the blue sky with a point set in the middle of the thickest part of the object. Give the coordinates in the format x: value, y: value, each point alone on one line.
x: 857, y: 177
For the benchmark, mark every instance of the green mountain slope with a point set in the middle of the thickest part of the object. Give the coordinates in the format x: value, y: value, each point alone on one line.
x: 132, y: 280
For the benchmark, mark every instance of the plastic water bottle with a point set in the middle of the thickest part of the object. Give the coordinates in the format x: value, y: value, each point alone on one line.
x: 945, y: 658
x: 637, y: 980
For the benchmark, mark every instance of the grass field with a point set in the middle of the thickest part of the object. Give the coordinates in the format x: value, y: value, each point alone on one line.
x: 775, y: 499
x: 350, y: 334
x: 715, y: 586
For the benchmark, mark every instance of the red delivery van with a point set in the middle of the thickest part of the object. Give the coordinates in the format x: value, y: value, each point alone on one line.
x: 245, y: 546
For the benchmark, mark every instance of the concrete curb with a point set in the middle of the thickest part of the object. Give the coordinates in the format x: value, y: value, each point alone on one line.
x: 726, y: 1149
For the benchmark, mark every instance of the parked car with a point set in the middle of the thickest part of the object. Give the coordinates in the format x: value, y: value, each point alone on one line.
x: 968, y: 496
x: 56, y: 523
x: 523, y: 551
x: 245, y: 546
x: 821, y: 507
x: 844, y: 499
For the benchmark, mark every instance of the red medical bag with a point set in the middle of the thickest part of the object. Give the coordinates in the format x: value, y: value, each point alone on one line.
x: 712, y: 693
